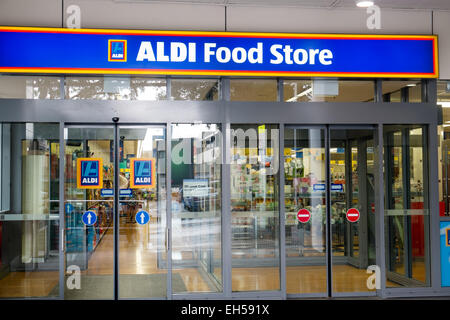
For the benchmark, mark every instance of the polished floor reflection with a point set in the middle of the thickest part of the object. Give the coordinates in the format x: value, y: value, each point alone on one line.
x: 138, y: 258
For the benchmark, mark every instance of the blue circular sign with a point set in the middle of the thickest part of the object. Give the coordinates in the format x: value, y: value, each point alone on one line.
x: 68, y: 207
x: 142, y: 217
x: 89, y: 218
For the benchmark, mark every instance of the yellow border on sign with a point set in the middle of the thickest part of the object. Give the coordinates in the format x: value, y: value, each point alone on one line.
x: 113, y: 32
x: 100, y: 173
x: 124, y: 50
x: 132, y: 185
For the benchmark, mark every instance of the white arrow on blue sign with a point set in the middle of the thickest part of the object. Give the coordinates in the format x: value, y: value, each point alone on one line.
x: 69, y: 208
x: 142, y: 217
x: 89, y: 218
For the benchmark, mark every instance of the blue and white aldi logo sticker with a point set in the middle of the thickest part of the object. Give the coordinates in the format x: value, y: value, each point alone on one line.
x: 142, y: 173
x: 89, y: 173
x: 117, y: 50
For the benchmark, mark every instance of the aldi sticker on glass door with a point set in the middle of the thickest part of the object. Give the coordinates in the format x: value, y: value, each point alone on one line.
x: 89, y: 173
x: 142, y: 173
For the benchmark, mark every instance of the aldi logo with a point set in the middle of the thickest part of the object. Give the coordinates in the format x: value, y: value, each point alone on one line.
x: 89, y: 173
x: 142, y: 173
x: 117, y: 50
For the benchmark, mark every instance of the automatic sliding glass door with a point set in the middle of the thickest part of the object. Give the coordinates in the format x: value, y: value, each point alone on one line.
x: 352, y: 204
x: 91, y: 212
x: 313, y: 268
x: 305, y: 210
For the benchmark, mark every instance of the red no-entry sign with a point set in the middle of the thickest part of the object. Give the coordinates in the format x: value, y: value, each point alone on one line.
x: 352, y: 215
x: 303, y: 215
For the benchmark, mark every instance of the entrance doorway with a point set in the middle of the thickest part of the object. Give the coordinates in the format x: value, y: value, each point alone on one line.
x: 115, y: 243
x: 329, y: 189
x: 118, y: 242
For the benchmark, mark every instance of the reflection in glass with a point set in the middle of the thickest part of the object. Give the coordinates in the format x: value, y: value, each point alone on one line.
x: 89, y: 250
x: 352, y: 187
x: 142, y: 248
x: 195, y: 89
x: 402, y: 91
x: 115, y: 88
x: 29, y: 225
x: 29, y: 87
x: 148, y: 89
x: 196, y: 208
x: 253, y: 90
x: 304, y: 188
x: 328, y: 90
x: 254, y: 207
x: 406, y: 212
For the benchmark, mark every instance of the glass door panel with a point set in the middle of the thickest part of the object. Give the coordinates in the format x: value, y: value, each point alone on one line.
x: 351, y: 204
x: 196, y: 208
x: 89, y: 217
x: 255, y: 255
x: 407, y: 208
x: 142, y: 210
x: 305, y: 189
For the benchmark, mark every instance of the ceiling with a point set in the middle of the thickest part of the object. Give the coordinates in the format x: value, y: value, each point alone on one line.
x: 330, y: 4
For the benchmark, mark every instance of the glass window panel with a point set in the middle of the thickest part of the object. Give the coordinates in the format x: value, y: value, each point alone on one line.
x: 195, y: 89
x: 29, y: 87
x: 304, y: 188
x: 407, y: 211
x: 415, y: 93
x: 329, y: 90
x: 148, y: 89
x: 402, y: 90
x: 196, y: 208
x: 443, y: 97
x: 253, y: 90
x: 29, y: 225
x: 254, y: 207
x: 98, y: 88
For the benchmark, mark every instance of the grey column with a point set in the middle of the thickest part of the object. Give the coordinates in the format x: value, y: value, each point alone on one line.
x: 433, y: 202
x: 226, y: 193
x: 379, y: 209
x: 282, y: 215
x: 364, y: 206
x: 168, y: 231
x: 62, y: 220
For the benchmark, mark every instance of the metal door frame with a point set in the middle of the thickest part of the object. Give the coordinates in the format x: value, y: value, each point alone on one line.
x: 328, y: 248
x: 116, y: 126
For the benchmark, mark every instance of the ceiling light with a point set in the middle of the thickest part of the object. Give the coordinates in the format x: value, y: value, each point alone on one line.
x: 364, y: 3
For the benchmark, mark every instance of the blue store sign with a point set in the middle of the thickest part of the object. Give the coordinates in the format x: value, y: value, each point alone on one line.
x: 445, y: 253
x: 56, y: 50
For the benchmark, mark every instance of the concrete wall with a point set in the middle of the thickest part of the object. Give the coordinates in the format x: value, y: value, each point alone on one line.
x: 214, y: 16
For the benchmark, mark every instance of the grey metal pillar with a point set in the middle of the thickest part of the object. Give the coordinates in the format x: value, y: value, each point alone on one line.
x: 379, y: 209
x: 116, y: 210
x: 329, y: 249
x: 226, y: 195
x: 364, y: 206
x: 282, y: 215
x: 168, y: 230
x: 62, y: 220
